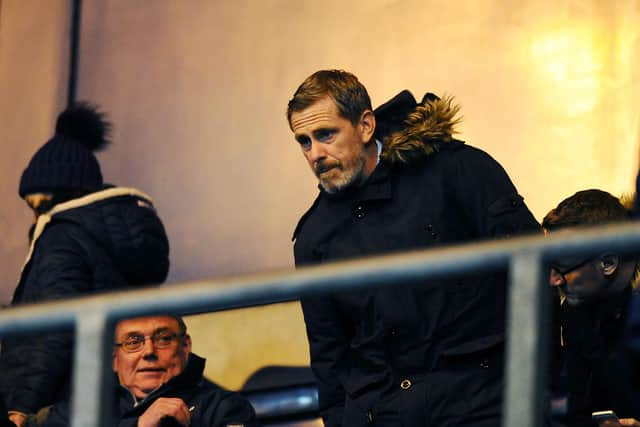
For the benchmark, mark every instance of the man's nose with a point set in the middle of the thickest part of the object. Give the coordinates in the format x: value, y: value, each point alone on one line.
x: 555, y: 278
x: 149, y: 348
x: 316, y: 152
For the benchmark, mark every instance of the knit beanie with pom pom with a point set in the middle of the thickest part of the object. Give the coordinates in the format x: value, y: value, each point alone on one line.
x: 66, y: 162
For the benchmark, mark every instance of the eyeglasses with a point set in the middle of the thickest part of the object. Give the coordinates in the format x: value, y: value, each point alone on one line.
x: 564, y: 268
x: 135, y: 343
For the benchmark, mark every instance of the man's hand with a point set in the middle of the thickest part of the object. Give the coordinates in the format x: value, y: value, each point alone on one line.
x: 18, y: 418
x: 625, y: 422
x: 165, y: 407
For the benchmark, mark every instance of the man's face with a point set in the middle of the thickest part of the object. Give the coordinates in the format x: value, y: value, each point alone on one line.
x: 581, y: 280
x: 332, y: 145
x: 144, y: 370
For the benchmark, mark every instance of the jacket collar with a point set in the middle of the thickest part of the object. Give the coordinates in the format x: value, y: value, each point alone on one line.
x: 45, y: 218
x: 376, y: 187
x: 614, y: 307
x: 191, y: 376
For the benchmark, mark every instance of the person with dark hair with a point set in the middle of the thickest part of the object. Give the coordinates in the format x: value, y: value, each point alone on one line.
x: 88, y: 237
x: 595, y: 292
x: 395, y: 179
x: 160, y: 381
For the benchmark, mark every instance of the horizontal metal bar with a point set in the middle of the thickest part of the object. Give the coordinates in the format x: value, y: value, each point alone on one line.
x: 222, y: 294
x: 275, y: 403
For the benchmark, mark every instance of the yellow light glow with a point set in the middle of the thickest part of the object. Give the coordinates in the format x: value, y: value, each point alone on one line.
x: 573, y: 62
x: 583, y: 73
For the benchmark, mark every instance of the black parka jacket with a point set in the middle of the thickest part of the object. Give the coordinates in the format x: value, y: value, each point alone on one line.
x: 108, y: 240
x: 409, y: 354
x: 212, y: 405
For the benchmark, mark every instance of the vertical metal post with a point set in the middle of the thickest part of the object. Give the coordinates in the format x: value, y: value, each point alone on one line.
x: 92, y: 375
x: 528, y: 332
x: 74, y: 45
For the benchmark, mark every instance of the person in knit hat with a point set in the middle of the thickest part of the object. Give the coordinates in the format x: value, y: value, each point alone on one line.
x: 66, y: 165
x: 88, y: 237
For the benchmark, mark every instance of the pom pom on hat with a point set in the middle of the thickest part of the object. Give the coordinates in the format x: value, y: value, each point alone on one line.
x: 66, y: 162
x: 86, y: 125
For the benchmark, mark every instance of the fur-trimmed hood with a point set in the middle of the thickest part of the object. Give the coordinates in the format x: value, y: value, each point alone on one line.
x: 411, y: 131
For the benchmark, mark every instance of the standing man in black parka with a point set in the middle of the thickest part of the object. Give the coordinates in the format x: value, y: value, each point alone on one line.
x: 396, y: 180
x: 87, y: 237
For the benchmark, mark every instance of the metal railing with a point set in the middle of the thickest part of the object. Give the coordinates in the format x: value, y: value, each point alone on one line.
x: 94, y: 316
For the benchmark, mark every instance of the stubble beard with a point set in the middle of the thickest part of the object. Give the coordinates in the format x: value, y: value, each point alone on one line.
x: 350, y: 175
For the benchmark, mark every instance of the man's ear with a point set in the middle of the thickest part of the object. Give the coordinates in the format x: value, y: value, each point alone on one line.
x: 186, y: 343
x: 367, y: 125
x: 609, y: 264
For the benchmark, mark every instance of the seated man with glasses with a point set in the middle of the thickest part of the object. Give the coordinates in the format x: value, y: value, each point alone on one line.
x: 595, y: 293
x: 160, y: 381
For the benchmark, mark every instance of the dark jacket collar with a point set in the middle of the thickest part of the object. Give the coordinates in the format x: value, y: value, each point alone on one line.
x: 615, y: 306
x: 594, y: 330
x: 376, y: 187
x: 190, y: 377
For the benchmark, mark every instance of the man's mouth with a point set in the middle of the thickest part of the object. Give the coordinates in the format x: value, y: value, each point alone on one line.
x: 151, y: 370
x: 322, y: 168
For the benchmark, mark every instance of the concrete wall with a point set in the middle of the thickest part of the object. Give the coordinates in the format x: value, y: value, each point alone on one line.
x: 197, y: 92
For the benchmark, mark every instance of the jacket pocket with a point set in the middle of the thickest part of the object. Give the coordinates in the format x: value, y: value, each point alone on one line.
x: 354, y: 414
x: 473, y: 372
x: 477, y: 347
x: 483, y: 355
x: 359, y: 383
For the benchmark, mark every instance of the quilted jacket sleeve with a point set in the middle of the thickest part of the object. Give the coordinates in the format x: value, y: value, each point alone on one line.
x: 38, y: 366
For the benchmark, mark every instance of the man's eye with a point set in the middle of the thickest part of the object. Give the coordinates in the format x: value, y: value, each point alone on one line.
x: 305, y: 143
x: 324, y: 135
x: 134, y: 341
x: 164, y: 339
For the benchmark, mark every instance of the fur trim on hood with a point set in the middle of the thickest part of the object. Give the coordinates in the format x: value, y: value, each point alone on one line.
x: 411, y: 132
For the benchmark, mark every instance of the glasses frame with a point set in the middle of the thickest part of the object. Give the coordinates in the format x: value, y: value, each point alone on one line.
x: 153, y: 338
x: 564, y: 271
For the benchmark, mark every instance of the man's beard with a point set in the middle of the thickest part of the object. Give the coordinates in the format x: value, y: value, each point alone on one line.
x: 350, y: 174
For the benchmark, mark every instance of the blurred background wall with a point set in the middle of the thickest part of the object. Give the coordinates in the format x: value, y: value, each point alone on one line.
x: 197, y: 92
x: 33, y: 88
